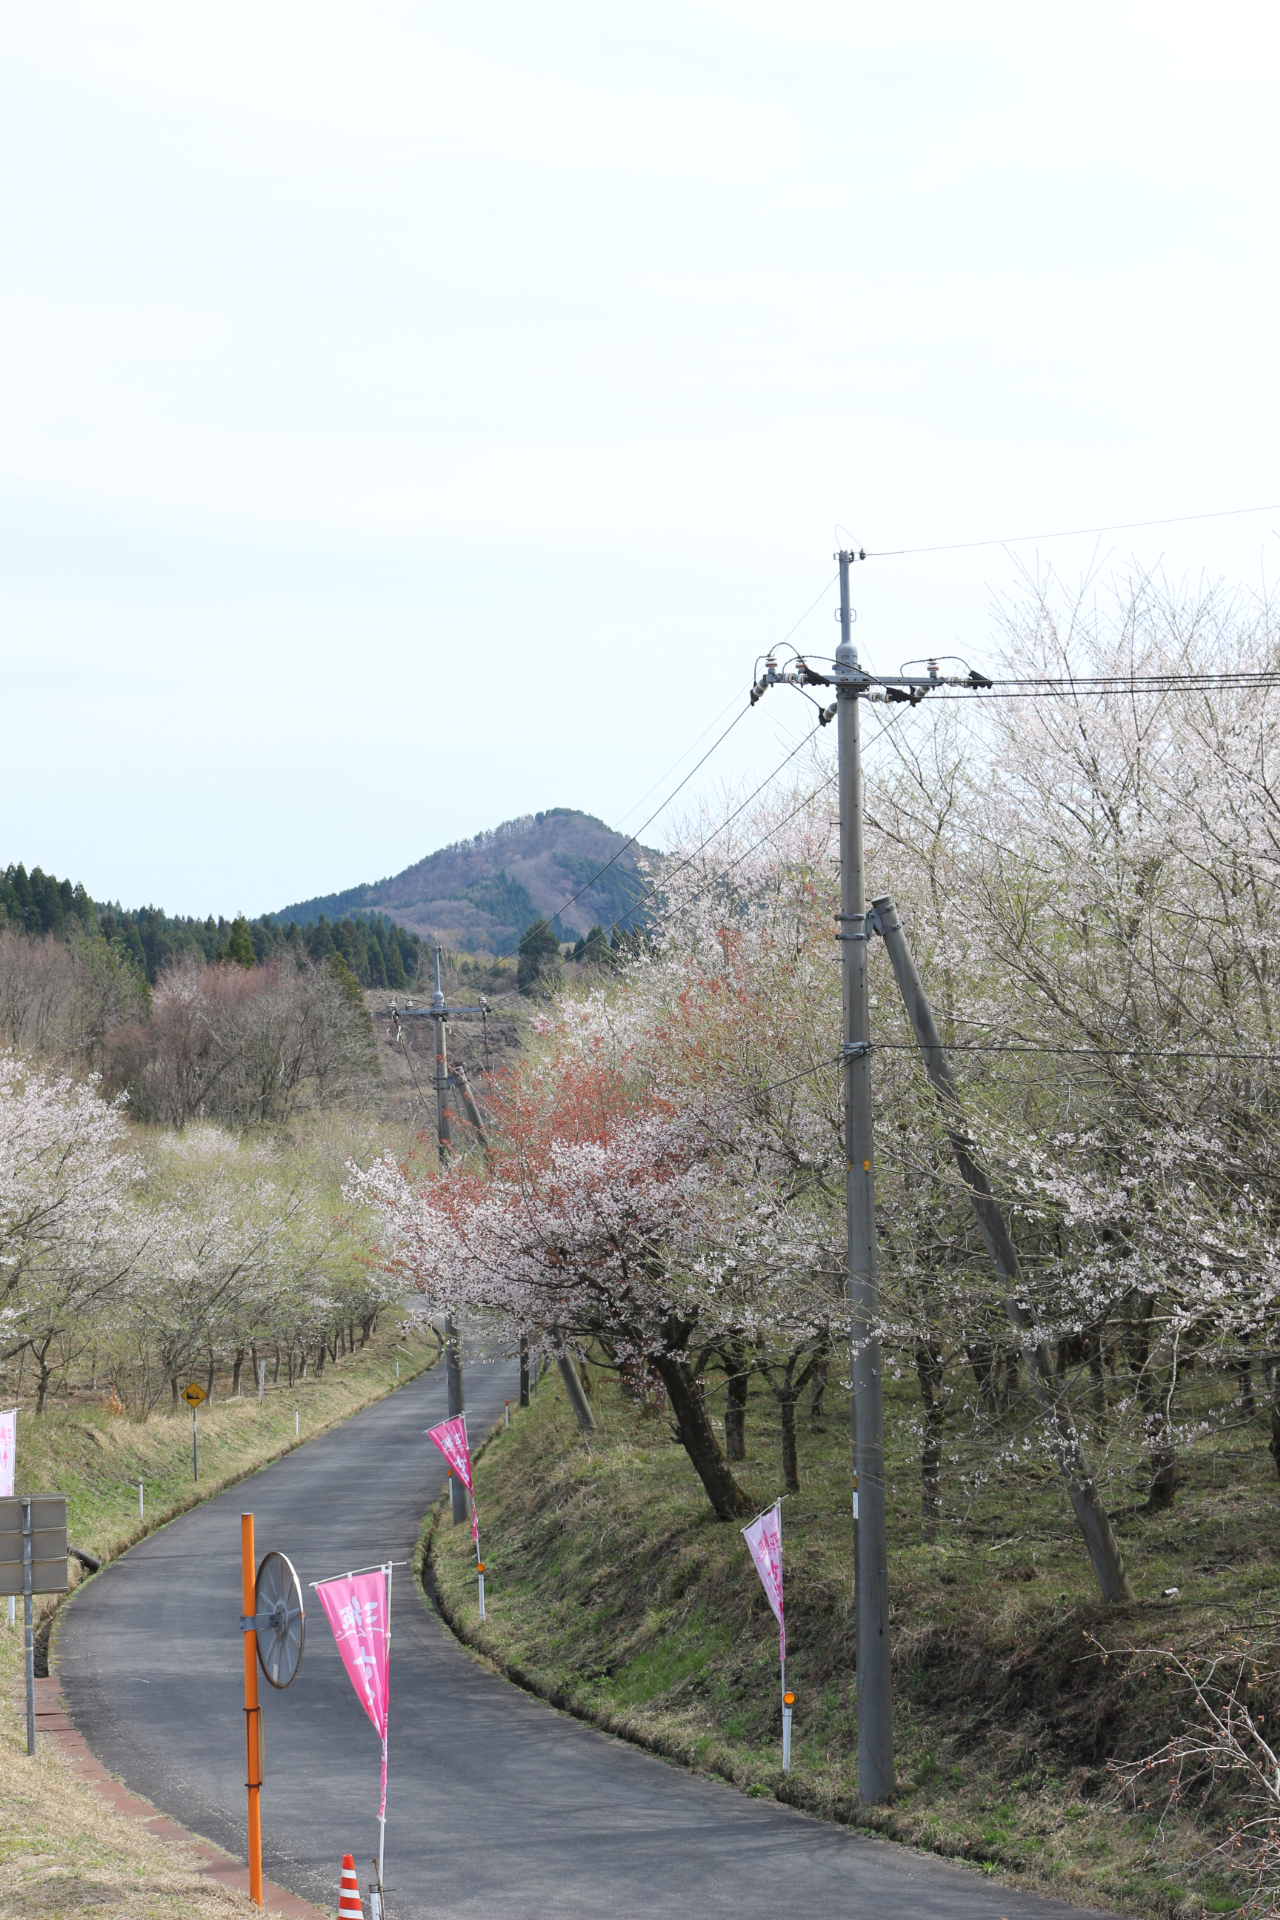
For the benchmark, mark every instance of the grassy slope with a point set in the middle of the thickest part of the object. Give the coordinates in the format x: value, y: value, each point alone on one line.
x: 611, y: 1590
x: 59, y: 1844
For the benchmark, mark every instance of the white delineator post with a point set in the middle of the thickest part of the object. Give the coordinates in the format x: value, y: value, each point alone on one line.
x: 142, y: 1508
x: 480, y: 1575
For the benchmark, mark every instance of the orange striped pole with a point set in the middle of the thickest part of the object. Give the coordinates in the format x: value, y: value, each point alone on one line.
x: 252, y: 1711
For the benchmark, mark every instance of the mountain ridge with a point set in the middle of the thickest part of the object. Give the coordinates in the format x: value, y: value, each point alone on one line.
x: 478, y: 895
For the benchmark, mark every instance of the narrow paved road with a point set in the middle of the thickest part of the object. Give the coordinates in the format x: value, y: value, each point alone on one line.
x: 497, y: 1806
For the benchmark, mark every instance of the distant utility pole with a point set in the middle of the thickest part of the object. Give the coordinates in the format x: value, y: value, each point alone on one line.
x: 853, y: 684
x: 439, y: 1011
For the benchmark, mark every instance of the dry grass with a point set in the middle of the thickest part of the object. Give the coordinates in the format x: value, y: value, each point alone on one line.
x: 63, y: 1849
x: 612, y: 1590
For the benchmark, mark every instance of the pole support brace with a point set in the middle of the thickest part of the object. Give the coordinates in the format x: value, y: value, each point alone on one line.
x: 856, y: 1049
x: 870, y: 924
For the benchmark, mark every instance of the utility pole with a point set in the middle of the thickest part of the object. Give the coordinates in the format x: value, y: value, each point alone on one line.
x: 874, y: 1683
x: 439, y: 1011
x: 853, y: 684
x: 459, y: 1497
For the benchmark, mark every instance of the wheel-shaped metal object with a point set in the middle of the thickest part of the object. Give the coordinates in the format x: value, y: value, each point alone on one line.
x: 277, y: 1606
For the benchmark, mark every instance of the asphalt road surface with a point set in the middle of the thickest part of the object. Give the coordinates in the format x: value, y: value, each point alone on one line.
x: 497, y: 1805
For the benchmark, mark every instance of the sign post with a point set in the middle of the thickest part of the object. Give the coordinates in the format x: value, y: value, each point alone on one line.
x: 273, y: 1628
x: 764, y: 1544
x: 193, y: 1395
x: 252, y: 1711
x: 33, y: 1559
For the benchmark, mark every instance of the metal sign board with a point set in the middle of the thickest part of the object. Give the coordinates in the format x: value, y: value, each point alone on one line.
x: 48, y: 1544
x: 194, y: 1394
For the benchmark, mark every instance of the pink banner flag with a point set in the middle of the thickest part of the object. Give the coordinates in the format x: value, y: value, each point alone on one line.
x: 358, y: 1606
x: 764, y: 1543
x: 451, y: 1438
x: 8, y: 1451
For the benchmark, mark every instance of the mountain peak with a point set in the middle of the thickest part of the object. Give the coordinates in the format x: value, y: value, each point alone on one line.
x: 479, y: 895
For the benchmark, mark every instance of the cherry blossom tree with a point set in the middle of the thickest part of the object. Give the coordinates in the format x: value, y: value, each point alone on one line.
x: 68, y: 1234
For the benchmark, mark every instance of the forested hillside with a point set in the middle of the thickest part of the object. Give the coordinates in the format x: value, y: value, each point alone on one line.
x: 480, y: 895
x: 376, y: 951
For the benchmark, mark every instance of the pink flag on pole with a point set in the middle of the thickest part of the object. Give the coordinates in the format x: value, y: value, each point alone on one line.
x: 451, y: 1438
x: 357, y: 1605
x: 764, y: 1543
x: 8, y: 1451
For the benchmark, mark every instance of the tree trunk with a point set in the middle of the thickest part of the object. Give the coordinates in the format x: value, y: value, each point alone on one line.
x: 821, y: 1369
x: 573, y: 1387
x: 1162, y: 1460
x: 236, y: 1368
x: 727, y: 1498
x: 1243, y: 1370
x: 790, y: 1458
x: 524, y: 1370
x: 275, y: 1378
x: 42, y: 1389
x: 984, y: 1358
x: 929, y: 1374
x: 1098, y: 1378
x: 208, y: 1391
x: 321, y: 1351
x: 173, y: 1390
x: 737, y: 1382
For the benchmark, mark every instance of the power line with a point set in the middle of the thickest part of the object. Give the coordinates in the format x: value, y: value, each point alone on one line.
x: 1092, y: 1053
x: 746, y: 803
x: 775, y: 829
x: 958, y: 1052
x: 634, y: 838
x: 685, y: 755
x: 1247, y: 680
x: 1065, y: 533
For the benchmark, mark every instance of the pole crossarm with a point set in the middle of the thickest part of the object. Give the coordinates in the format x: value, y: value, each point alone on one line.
x: 434, y: 1013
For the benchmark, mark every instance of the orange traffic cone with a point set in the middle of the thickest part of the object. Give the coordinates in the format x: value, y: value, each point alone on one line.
x: 349, y: 1907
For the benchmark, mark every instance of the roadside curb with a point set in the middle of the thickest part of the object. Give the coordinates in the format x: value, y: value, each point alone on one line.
x: 55, y: 1725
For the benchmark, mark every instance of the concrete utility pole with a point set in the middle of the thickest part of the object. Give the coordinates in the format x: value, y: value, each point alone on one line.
x: 439, y: 1011
x: 853, y: 684
x: 1082, y: 1488
x: 874, y: 1683
x: 460, y: 1498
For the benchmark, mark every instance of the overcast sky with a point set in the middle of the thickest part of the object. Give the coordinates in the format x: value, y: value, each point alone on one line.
x: 413, y: 416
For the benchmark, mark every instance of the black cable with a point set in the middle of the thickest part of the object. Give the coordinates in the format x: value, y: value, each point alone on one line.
x: 634, y: 838
x: 1263, y: 681
x: 737, y: 810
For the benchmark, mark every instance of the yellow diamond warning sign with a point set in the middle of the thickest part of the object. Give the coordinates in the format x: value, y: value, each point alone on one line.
x: 194, y: 1394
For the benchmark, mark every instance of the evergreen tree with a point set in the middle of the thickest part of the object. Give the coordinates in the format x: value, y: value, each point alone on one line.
x: 239, y: 947
x: 539, y: 963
